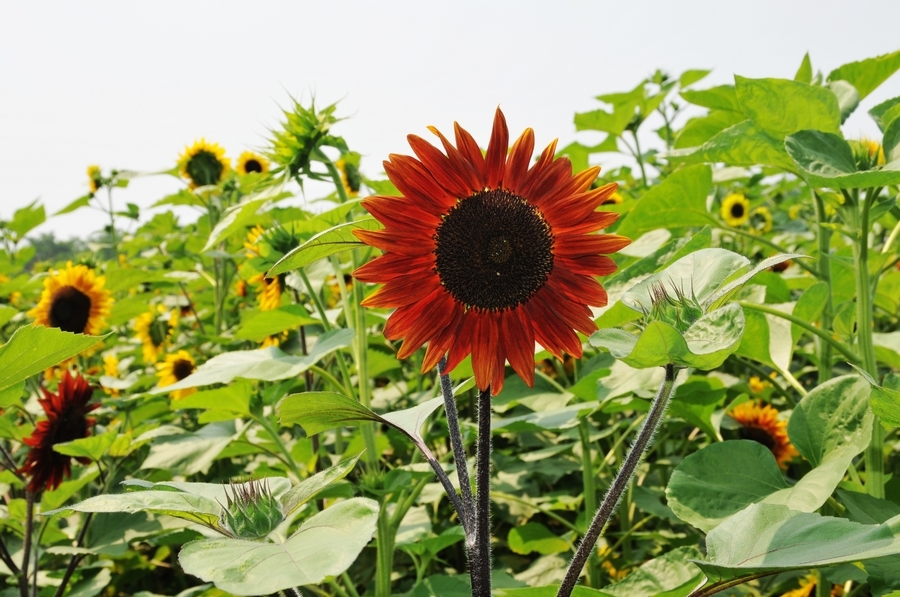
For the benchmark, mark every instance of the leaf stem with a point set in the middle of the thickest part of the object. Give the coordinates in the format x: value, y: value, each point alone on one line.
x: 620, y: 483
x: 26, y: 542
x: 459, y: 450
x: 823, y: 236
x: 824, y: 336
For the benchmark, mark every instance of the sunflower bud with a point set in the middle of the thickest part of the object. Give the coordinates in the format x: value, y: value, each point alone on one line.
x: 251, y: 512
x: 680, y: 311
x: 867, y: 154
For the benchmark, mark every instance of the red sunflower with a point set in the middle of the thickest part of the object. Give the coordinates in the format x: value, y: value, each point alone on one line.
x: 484, y: 255
x: 66, y: 420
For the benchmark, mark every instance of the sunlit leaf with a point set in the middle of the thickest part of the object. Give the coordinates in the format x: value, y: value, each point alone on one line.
x: 35, y: 348
x: 334, y: 240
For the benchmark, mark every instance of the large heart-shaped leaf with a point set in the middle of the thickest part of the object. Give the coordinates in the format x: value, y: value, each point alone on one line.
x: 325, y: 545
x: 781, y: 106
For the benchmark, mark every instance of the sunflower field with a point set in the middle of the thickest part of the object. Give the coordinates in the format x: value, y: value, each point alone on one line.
x: 485, y: 369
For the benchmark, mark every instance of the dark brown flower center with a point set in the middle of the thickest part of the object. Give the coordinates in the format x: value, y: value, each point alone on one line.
x: 182, y: 368
x: 493, y: 251
x: 737, y: 210
x: 204, y: 168
x: 758, y: 435
x: 70, y: 310
x: 252, y: 166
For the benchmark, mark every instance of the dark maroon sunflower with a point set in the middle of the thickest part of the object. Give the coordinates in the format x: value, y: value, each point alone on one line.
x: 66, y: 420
x: 486, y: 255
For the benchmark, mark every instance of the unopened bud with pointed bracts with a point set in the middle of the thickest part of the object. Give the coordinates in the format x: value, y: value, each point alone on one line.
x: 680, y: 311
x: 251, y: 512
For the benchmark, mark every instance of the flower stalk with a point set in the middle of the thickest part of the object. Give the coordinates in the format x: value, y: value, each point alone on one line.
x: 480, y: 552
x: 620, y: 483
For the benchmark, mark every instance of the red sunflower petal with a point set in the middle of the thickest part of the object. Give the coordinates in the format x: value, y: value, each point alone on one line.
x: 518, y: 337
x: 403, y: 291
x: 394, y: 241
x: 519, y: 158
x: 462, y: 343
x: 485, y: 345
x: 572, y: 245
x: 437, y: 315
x: 440, y: 167
x: 589, y: 265
x: 498, y: 147
x: 470, y: 150
x: 463, y: 168
x: 391, y: 265
x: 440, y: 344
x: 417, y: 184
x: 400, y: 213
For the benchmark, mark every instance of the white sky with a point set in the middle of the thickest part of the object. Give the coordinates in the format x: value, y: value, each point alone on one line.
x: 128, y: 84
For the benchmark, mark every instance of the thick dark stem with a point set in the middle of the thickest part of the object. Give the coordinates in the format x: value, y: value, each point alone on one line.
x: 459, y: 450
x: 480, y: 556
x: 7, y: 559
x: 619, y: 484
x: 73, y: 563
x: 26, y: 547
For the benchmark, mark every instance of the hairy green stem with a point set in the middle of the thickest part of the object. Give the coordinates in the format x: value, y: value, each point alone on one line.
x: 620, y: 483
x: 26, y: 543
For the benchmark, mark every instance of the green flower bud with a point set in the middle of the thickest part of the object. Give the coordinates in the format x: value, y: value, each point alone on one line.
x: 251, y: 512
x: 679, y: 311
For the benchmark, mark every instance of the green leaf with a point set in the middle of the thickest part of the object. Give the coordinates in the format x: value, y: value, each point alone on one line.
x: 696, y: 401
x: 325, y: 545
x: 701, y: 129
x: 553, y: 419
x: 848, y: 97
x: 743, y: 144
x: 705, y: 345
x: 722, y: 479
x: 804, y: 73
x: 308, y: 488
x: 891, y: 142
x: 193, y: 452
x: 330, y: 242
x: 234, y: 399
x: 726, y: 291
x: 679, y: 200
x: 781, y: 107
x: 321, y: 411
x: 269, y: 323
x: 885, y: 402
x: 56, y: 498
x: 866, y: 75
x: 237, y: 217
x: 775, y: 538
x: 670, y: 575
x: 885, y: 112
x: 26, y: 219
x: 826, y: 160
x: 613, y: 122
x: 535, y: 537
x: 82, y: 201
x: 93, y: 447
x: 12, y: 395
x: 722, y: 97
x: 691, y: 76
x: 35, y: 348
x: 834, y: 415
x: 187, y: 506
x: 269, y: 364
x: 865, y: 509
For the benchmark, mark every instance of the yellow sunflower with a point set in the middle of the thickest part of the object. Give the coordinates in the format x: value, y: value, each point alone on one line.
x: 761, y: 218
x: 252, y: 242
x: 735, y: 209
x: 614, y: 199
x: 154, y: 329
x: 203, y: 163
x: 758, y: 385
x: 806, y: 588
x: 173, y: 369
x: 350, y: 177
x: 275, y: 340
x: 74, y: 300
x: 794, y: 211
x: 762, y: 424
x: 268, y: 292
x: 93, y: 172
x: 251, y: 162
x: 111, y: 369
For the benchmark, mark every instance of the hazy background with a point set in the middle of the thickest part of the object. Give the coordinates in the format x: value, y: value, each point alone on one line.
x: 128, y: 84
